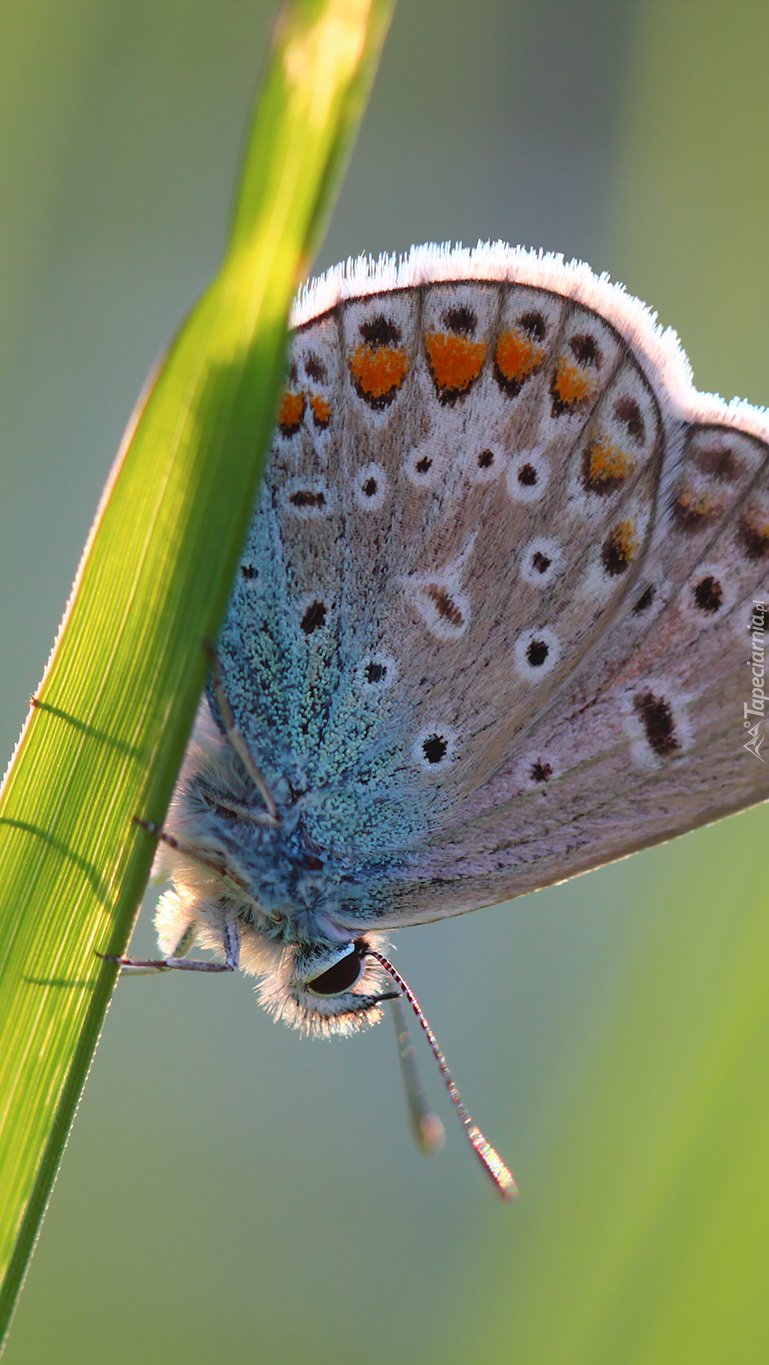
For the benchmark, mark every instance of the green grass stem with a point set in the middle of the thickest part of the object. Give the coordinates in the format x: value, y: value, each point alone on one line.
x: 105, y: 738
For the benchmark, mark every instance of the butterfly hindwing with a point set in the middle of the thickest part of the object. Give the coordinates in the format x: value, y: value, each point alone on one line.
x: 652, y: 737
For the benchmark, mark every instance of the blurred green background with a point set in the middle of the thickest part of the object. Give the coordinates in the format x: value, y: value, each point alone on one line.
x: 232, y: 1192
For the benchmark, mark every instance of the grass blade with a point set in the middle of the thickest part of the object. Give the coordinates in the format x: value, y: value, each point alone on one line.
x: 105, y: 738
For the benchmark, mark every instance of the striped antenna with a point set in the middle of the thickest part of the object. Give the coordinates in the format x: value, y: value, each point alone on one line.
x: 492, y: 1162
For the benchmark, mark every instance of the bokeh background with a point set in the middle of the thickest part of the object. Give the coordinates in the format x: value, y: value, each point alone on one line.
x: 234, y: 1193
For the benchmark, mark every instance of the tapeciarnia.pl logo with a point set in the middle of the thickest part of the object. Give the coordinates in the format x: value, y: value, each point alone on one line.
x: 756, y: 707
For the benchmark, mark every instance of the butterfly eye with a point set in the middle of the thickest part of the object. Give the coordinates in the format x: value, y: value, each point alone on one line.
x: 338, y: 978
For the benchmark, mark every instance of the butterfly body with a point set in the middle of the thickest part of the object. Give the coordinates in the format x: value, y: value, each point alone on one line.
x: 490, y: 624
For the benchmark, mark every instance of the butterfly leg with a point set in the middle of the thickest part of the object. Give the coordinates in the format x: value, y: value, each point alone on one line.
x: 238, y: 740
x: 187, y: 850
x: 176, y: 961
x: 196, y: 855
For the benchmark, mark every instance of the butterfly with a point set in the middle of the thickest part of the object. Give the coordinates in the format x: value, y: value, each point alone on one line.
x: 499, y: 619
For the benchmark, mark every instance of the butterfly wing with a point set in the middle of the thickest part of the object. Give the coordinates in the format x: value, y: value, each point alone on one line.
x: 437, y: 643
x: 661, y: 731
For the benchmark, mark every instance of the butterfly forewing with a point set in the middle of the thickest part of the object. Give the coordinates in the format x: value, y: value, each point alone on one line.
x: 492, y: 623
x: 450, y: 544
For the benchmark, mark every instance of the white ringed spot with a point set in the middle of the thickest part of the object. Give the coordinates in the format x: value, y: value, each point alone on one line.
x: 709, y: 593
x: 541, y: 561
x: 486, y: 462
x: 313, y: 610
x: 657, y: 722
x: 536, y: 653
x: 445, y: 612
x: 376, y: 673
x: 424, y: 465
x: 371, y: 487
x: 435, y: 748
x: 307, y: 498
x: 528, y: 476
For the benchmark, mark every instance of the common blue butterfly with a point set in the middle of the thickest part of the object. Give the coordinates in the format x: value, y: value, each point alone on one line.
x: 499, y: 619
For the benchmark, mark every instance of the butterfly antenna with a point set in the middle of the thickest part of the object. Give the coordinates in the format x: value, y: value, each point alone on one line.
x: 426, y: 1126
x: 490, y: 1159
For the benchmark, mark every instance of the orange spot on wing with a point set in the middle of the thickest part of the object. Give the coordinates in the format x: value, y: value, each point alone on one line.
x: 605, y: 467
x: 455, y: 361
x: 694, y: 509
x: 754, y: 534
x: 518, y: 356
x: 625, y: 538
x: 321, y: 409
x: 619, y: 547
x: 291, y: 412
x: 571, y: 384
x: 378, y: 371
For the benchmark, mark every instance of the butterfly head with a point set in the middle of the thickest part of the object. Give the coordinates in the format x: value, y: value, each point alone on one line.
x: 323, y: 989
